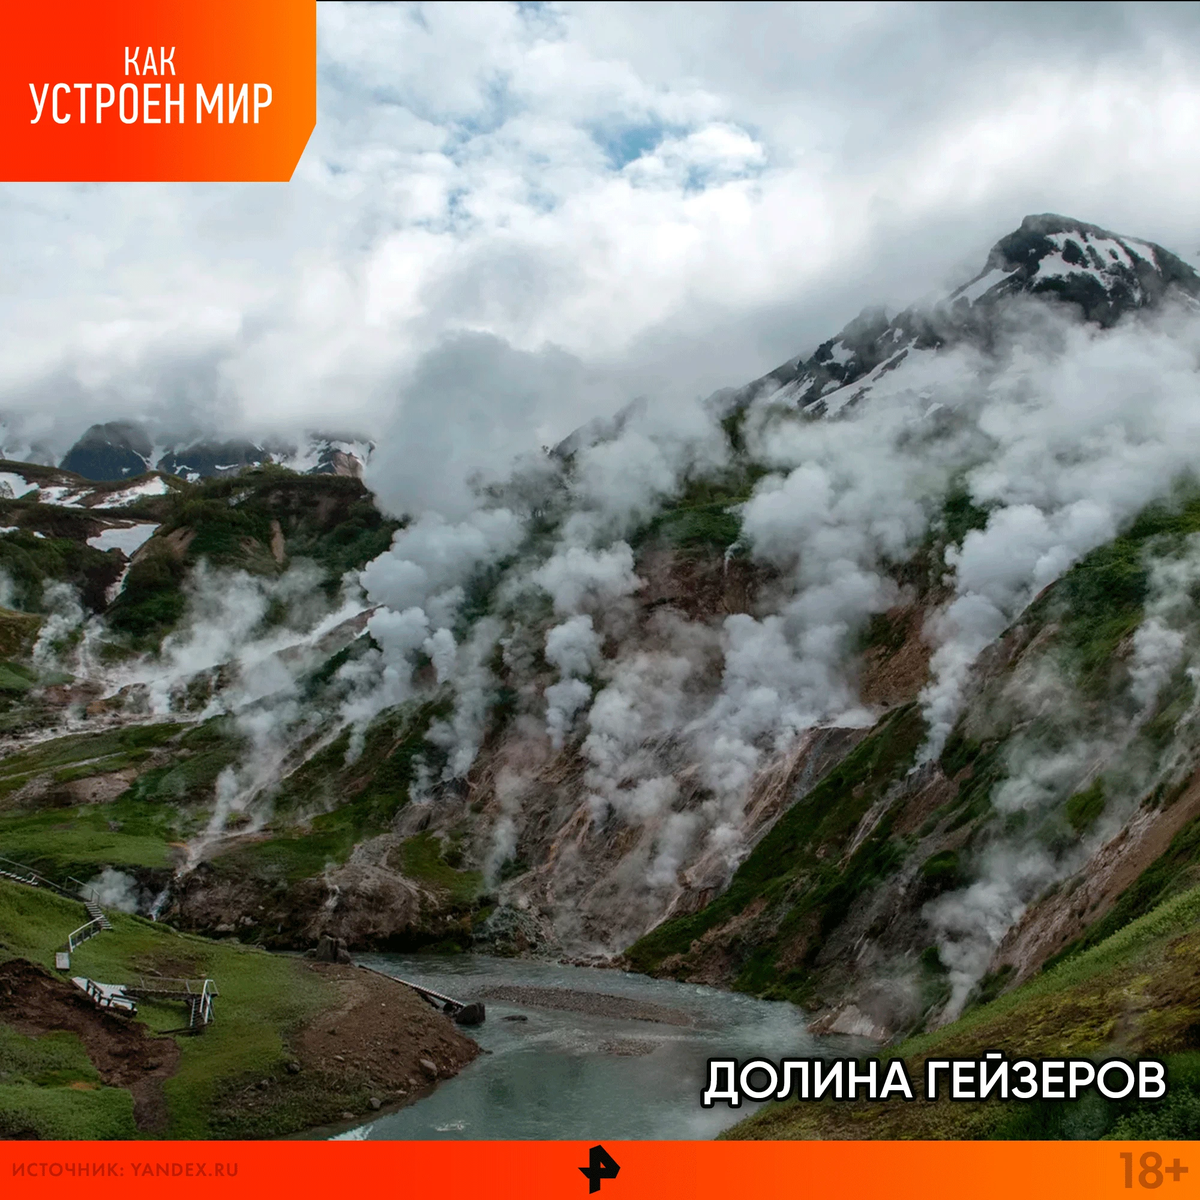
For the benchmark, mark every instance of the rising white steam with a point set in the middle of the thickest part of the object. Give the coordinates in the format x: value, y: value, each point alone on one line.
x: 114, y: 889
x: 64, y: 619
x: 1043, y: 768
x: 1061, y: 435
x: 574, y: 649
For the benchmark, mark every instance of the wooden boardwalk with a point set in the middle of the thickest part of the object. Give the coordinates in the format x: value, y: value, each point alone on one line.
x: 110, y: 996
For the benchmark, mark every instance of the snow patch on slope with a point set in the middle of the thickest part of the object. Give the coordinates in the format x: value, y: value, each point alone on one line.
x: 151, y: 487
x: 971, y: 292
x: 14, y: 485
x: 126, y: 538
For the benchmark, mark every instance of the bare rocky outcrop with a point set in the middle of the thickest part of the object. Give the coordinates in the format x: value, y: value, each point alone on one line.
x: 360, y: 905
x: 330, y: 950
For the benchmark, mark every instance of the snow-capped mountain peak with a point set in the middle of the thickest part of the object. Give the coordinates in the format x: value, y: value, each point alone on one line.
x: 1103, y: 275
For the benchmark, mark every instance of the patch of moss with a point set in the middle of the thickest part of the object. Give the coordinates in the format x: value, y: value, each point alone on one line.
x: 1104, y: 596
x: 422, y: 858
x: 703, y: 519
x: 329, y: 519
x: 16, y: 678
x: 32, y: 563
x: 1077, y: 1009
x: 1085, y: 808
x: 942, y: 872
x: 18, y: 632
x: 512, y: 867
x: 231, y: 522
x: 320, y: 678
x: 152, y: 601
x: 57, y: 1058
x: 189, y: 780
x: 931, y: 960
x: 479, y: 595
x: 221, y: 528
x: 1178, y: 700
x: 883, y: 633
x: 699, y: 527
x: 991, y: 985
x: 974, y: 796
x: 351, y: 799
x: 76, y: 748
x: 959, y: 753
x: 48, y: 1089
x: 960, y: 514
x: 1100, y: 601
x: 732, y: 425
x: 62, y: 842
x: 1174, y: 871
x: 60, y: 1112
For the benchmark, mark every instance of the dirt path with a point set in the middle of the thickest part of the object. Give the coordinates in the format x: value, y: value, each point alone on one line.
x: 383, y: 1032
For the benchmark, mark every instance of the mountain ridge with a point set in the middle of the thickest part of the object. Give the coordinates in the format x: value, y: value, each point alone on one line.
x: 125, y: 449
x: 1101, y: 275
x: 877, y: 703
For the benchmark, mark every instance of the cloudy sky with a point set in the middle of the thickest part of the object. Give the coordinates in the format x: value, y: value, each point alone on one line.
x: 512, y: 217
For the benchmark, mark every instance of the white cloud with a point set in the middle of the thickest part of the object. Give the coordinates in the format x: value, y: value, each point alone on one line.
x: 647, y: 204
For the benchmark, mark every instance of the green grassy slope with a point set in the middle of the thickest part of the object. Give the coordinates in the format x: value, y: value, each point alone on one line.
x: 1136, y: 994
x: 263, y: 999
x: 258, y: 522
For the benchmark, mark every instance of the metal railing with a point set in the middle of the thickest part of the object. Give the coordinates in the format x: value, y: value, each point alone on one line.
x: 197, y: 994
x: 86, y: 890
x: 77, y: 937
x: 109, y: 996
x: 202, y: 1006
x: 11, y: 869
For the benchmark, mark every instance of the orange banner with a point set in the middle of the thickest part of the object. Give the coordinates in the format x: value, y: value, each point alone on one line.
x: 221, y: 90
x: 617, y: 1170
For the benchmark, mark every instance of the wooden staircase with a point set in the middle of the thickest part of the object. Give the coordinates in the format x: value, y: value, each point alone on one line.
x: 197, y: 994
x: 17, y: 877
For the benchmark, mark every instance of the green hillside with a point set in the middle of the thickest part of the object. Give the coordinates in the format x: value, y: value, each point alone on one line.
x: 1135, y: 995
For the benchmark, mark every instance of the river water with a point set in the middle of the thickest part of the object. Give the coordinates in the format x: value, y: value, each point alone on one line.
x: 582, y: 1075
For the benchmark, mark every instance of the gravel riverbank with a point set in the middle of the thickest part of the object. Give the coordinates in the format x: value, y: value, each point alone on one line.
x: 595, y: 1004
